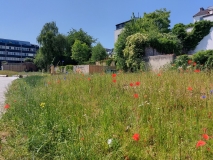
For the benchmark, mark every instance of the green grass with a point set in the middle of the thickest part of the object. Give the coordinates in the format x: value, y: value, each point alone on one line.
x: 80, y: 115
x: 12, y: 73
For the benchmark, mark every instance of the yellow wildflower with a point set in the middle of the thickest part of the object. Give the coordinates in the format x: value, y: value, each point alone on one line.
x: 42, y: 105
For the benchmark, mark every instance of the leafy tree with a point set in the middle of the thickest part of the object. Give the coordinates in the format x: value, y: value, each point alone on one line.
x: 134, y: 51
x: 191, y: 39
x: 98, y: 53
x: 46, y: 39
x: 155, y: 26
x: 80, y: 52
x: 28, y: 60
x: 39, y: 60
x: 80, y: 35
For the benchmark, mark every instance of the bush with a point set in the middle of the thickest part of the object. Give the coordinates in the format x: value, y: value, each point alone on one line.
x: 69, y: 67
x: 182, y: 61
x: 201, y: 57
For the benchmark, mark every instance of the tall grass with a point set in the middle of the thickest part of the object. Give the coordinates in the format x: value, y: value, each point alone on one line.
x: 95, y: 117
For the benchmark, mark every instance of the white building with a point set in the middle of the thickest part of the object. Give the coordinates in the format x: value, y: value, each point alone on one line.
x: 207, y: 42
x: 119, y: 28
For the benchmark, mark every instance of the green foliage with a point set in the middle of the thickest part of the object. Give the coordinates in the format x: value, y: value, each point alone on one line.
x: 182, y: 61
x: 28, y: 60
x: 155, y: 26
x: 80, y: 35
x: 89, y: 117
x: 204, y: 58
x: 52, y: 45
x: 69, y: 67
x: 109, y: 61
x: 134, y: 51
x: 98, y: 53
x: 190, y: 40
x: 40, y: 60
x: 80, y: 52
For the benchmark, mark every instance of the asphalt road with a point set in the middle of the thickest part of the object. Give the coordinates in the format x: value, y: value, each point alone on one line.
x: 4, y: 83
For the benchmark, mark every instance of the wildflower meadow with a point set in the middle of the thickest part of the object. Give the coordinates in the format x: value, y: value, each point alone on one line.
x: 146, y: 115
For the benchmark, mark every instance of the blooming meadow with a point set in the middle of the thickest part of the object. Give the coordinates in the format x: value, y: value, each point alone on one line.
x: 143, y: 115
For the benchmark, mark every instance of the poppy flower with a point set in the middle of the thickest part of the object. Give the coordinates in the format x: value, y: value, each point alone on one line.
x: 7, y: 106
x: 136, y: 137
x: 137, y: 83
x: 189, y: 61
x: 200, y: 143
x: 136, y: 95
x: 114, y: 80
x: 159, y: 74
x: 197, y: 71
x: 194, y: 64
x: 114, y: 75
x: 205, y: 136
x: 131, y: 84
x: 189, y: 89
x: 89, y: 79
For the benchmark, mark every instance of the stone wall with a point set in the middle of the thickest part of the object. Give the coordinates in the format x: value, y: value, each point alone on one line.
x: 158, y: 61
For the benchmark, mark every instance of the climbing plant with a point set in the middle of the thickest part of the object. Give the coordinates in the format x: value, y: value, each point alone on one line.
x: 190, y: 40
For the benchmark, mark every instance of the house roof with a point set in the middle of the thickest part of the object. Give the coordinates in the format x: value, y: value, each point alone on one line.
x: 208, y: 15
x: 202, y: 12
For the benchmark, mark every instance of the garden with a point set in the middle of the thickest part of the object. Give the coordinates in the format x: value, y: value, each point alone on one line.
x: 143, y: 115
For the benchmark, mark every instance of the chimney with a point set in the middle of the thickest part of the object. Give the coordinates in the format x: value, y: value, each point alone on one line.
x: 201, y: 9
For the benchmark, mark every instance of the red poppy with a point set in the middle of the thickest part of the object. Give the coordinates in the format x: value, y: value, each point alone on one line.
x: 159, y: 74
x: 190, y: 88
x: 58, y: 81
x: 114, y: 80
x: 189, y: 61
x: 131, y: 84
x: 205, y: 136
x: 200, y: 143
x: 7, y: 106
x: 136, y: 95
x: 137, y: 83
x: 194, y: 64
x: 89, y: 79
x: 197, y: 70
x: 136, y: 137
x: 114, y: 75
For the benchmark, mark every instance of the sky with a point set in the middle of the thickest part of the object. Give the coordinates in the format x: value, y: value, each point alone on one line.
x: 24, y: 19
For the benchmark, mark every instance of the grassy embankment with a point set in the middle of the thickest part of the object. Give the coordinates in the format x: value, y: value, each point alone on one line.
x: 95, y: 117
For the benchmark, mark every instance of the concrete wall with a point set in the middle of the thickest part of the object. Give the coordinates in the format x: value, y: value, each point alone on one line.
x: 156, y: 62
x: 81, y: 69
x: 205, y: 44
x: 90, y: 69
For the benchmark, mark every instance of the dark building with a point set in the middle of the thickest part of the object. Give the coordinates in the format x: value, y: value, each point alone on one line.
x: 14, y: 51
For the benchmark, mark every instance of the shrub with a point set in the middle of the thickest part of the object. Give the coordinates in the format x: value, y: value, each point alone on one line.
x: 182, y: 61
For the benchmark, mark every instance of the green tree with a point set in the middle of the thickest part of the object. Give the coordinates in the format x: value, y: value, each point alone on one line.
x: 80, y: 52
x: 46, y: 39
x: 155, y: 26
x: 134, y: 51
x: 98, y: 53
x: 80, y: 35
x: 39, y: 60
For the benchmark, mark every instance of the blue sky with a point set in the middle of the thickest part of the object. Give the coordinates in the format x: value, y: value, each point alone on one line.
x: 24, y: 19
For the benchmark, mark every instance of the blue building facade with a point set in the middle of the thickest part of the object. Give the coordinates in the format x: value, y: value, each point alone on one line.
x: 14, y: 51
